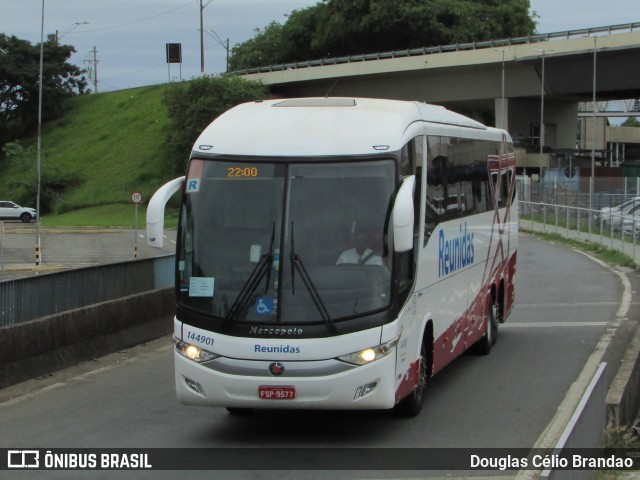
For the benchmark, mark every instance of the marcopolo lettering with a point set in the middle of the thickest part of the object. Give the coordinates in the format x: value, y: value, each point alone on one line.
x: 455, y: 253
x: 275, y: 331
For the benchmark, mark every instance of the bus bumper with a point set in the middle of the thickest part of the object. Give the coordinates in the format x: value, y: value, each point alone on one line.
x: 370, y: 386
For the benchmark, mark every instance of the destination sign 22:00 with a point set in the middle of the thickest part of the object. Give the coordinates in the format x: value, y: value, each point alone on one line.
x: 242, y: 172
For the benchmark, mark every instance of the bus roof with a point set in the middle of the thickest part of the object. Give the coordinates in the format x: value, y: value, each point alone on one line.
x: 323, y: 127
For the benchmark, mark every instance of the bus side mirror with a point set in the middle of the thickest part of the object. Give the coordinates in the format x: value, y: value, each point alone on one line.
x: 155, y: 211
x: 403, y: 216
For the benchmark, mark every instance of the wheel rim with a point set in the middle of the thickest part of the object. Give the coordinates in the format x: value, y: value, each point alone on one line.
x: 491, y: 321
x: 422, y: 375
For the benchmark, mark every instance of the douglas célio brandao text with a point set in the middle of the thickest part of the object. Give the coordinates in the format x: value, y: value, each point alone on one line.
x: 575, y: 461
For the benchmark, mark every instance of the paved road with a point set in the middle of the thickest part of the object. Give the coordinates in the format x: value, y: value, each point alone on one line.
x: 64, y: 248
x: 506, y: 399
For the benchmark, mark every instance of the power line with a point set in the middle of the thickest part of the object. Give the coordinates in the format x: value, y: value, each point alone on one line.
x: 113, y: 27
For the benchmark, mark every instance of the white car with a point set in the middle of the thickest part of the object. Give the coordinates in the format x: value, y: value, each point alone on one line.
x: 631, y: 224
x: 13, y: 211
x: 625, y: 221
x: 608, y: 214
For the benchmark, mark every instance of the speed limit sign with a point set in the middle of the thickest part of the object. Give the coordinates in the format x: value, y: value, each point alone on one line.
x: 136, y: 197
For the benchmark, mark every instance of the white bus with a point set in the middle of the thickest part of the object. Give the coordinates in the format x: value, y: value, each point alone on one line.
x: 312, y: 270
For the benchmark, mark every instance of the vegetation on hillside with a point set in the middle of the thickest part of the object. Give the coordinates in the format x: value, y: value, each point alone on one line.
x: 102, y: 149
x: 109, y: 145
x: 349, y: 27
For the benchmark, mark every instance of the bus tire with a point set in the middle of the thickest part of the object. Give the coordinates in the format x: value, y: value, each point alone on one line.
x: 488, y: 340
x: 411, y: 405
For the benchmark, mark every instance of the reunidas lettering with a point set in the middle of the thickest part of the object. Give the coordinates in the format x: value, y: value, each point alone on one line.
x: 276, y: 349
x: 455, y: 253
x: 275, y: 331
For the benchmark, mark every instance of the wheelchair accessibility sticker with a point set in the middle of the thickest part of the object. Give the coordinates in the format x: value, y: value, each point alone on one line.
x: 264, y: 305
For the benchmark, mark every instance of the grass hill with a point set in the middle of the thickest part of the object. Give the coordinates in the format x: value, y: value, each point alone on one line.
x: 105, y: 146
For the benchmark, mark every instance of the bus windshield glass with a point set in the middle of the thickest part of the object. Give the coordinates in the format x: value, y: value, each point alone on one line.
x: 285, y: 243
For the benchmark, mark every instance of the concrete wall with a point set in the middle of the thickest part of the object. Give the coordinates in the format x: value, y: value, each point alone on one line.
x: 623, y: 400
x: 51, y: 343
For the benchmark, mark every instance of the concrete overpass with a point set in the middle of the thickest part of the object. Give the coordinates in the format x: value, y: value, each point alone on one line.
x: 469, y: 77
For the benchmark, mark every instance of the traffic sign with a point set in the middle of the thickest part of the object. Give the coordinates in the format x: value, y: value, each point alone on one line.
x: 136, y: 197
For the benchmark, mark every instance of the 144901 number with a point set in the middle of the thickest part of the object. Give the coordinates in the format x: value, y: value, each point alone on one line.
x: 200, y: 338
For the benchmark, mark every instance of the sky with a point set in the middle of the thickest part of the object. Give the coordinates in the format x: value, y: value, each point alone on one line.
x: 130, y: 36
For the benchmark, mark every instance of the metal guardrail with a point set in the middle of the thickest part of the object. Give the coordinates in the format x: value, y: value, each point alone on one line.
x: 581, y: 223
x: 545, y: 37
x: 29, y: 298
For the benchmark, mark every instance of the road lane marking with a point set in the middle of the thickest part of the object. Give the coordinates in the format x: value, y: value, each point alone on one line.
x: 567, y: 304
x: 554, y: 324
x: 550, y: 436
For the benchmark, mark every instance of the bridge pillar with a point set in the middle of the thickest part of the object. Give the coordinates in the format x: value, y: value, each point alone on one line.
x: 523, y: 120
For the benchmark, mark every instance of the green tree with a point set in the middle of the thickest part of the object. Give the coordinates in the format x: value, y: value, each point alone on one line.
x: 261, y: 50
x: 350, y: 27
x: 191, y: 106
x: 24, y: 189
x: 631, y: 122
x: 19, y: 83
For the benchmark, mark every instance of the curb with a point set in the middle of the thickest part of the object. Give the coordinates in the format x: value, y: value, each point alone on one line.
x: 623, y: 395
x: 623, y: 398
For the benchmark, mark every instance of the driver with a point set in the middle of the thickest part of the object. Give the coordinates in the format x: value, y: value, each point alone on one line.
x: 361, y: 254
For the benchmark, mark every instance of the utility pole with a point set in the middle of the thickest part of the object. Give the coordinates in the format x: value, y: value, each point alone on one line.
x: 222, y: 43
x: 39, y: 155
x: 202, y: 7
x: 503, y: 123
x: 593, y: 128
x: 543, y: 51
x: 94, y: 68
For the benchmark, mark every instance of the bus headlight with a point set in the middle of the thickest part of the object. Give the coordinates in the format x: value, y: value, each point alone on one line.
x: 192, y: 352
x: 370, y: 354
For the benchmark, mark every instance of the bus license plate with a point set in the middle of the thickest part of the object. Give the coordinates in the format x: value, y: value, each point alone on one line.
x: 268, y: 392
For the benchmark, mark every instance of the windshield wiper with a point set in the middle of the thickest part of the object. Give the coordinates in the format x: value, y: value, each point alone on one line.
x: 262, y: 268
x: 296, y: 264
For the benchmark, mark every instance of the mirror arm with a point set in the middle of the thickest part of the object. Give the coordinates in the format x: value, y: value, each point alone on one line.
x: 155, y: 211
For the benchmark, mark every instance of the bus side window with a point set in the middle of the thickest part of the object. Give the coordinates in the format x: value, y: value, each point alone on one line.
x: 435, y: 203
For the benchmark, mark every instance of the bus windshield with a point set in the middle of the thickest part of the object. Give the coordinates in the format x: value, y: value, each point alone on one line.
x: 285, y: 243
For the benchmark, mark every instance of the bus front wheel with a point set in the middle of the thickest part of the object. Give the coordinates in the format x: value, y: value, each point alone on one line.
x: 411, y: 405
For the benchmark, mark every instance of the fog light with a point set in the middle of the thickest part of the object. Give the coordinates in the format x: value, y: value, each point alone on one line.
x: 363, y: 390
x: 195, y: 386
